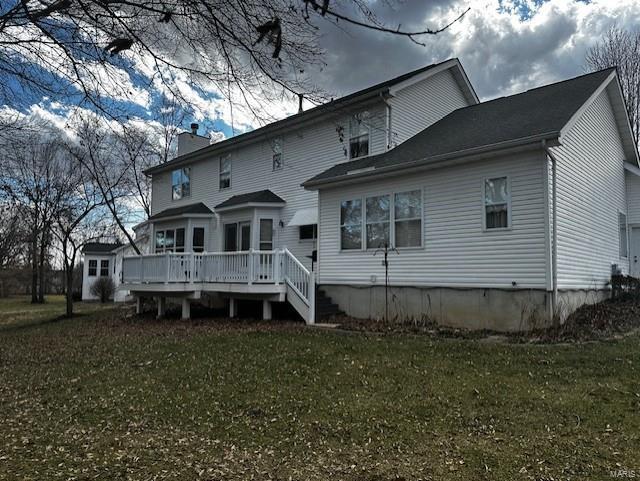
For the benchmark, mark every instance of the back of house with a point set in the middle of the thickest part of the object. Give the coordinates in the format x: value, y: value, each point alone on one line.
x: 503, y: 214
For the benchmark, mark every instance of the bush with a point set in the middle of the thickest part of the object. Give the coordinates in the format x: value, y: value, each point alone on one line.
x: 103, y: 288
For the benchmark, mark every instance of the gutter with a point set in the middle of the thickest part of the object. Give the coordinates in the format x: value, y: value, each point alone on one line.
x: 554, y: 232
x: 372, y: 172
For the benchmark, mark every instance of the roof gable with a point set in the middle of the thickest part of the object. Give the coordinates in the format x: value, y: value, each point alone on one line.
x: 536, y: 114
x: 332, y: 107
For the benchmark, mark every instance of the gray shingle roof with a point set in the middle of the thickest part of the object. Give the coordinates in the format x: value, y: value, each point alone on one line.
x: 531, y: 114
x: 99, y: 247
x: 292, y: 120
x: 261, y: 197
x: 198, y: 208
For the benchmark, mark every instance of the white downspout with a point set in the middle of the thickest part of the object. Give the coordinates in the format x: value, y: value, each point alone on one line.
x: 388, y: 120
x: 554, y: 230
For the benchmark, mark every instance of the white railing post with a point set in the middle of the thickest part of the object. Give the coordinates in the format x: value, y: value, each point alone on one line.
x: 251, y: 267
x: 312, y: 298
x: 168, y: 268
x: 192, y: 268
x: 276, y: 267
x: 141, y: 270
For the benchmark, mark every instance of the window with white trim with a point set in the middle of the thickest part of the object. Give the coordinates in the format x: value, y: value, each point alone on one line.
x: 169, y: 240
x: 624, y: 238
x: 266, y: 234
x: 378, y: 221
x: 359, y: 135
x: 225, y: 172
x: 181, y: 183
x: 408, y: 219
x: 351, y: 224
x: 104, y: 268
x: 497, y: 203
x: 276, y: 158
x: 198, y: 239
x: 308, y: 232
x: 93, y: 267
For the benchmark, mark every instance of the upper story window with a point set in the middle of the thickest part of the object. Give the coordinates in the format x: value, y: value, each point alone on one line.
x: 225, y: 171
x: 276, y: 159
x: 93, y: 267
x: 624, y: 239
x: 359, y: 135
x: 497, y: 203
x: 181, y: 183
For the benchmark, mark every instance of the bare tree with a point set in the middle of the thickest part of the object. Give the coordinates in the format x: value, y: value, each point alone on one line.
x: 621, y: 48
x: 255, y: 49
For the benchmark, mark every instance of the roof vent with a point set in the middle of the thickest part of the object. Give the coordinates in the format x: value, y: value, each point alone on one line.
x: 300, y: 99
x: 194, y: 128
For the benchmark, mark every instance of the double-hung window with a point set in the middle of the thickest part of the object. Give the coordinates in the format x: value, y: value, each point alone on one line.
x: 276, y: 158
x: 93, y: 267
x: 104, y: 268
x: 351, y: 224
x: 225, y: 172
x: 266, y: 234
x: 497, y: 203
x: 170, y: 240
x: 393, y: 219
x: 181, y: 183
x: 624, y: 239
x: 198, y: 239
x: 408, y: 218
x: 378, y: 221
x: 359, y: 135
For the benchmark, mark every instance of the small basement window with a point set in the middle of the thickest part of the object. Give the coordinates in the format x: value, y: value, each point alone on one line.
x: 497, y: 203
x: 624, y: 238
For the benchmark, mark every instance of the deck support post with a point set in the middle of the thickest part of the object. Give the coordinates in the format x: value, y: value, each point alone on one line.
x: 233, y: 308
x: 186, y: 308
x: 138, y: 305
x: 266, y: 310
x: 162, y: 307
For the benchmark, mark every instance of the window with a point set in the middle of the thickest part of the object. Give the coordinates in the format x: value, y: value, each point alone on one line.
x: 408, y: 219
x: 93, y: 267
x: 160, y: 241
x: 351, y: 224
x: 624, y: 239
x: 496, y: 203
x: 179, y: 240
x: 276, y: 147
x: 181, y: 183
x: 104, y: 268
x: 378, y: 221
x: 308, y: 232
x: 198, y: 239
x: 266, y: 234
x: 170, y: 240
x: 359, y: 135
x: 231, y: 237
x: 225, y: 171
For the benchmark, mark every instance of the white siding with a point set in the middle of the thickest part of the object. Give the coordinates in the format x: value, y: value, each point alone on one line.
x: 633, y: 198
x: 591, y: 192
x: 424, y: 103
x: 457, y: 252
x: 306, y: 152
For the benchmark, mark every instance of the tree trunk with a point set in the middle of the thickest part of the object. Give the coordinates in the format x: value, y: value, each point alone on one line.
x: 69, y: 289
x: 41, y: 262
x: 34, y: 269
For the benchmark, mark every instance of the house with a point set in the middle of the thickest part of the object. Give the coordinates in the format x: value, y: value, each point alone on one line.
x: 104, y: 259
x: 504, y: 214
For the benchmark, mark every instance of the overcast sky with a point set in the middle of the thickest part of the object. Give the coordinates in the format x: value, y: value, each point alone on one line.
x: 504, y: 46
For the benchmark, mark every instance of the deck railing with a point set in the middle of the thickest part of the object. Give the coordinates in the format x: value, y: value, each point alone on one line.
x: 271, y: 267
x: 250, y: 267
